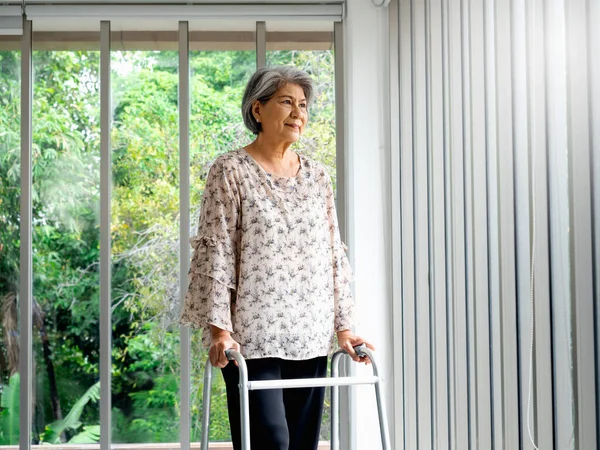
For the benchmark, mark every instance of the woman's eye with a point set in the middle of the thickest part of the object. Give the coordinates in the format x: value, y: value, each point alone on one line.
x: 302, y: 105
x: 287, y: 102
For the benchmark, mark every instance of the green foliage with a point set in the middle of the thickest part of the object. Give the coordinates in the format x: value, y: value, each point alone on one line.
x: 10, y: 177
x: 53, y: 431
x: 89, y: 435
x: 144, y: 227
x: 9, y: 417
x: 222, y: 70
x: 9, y: 411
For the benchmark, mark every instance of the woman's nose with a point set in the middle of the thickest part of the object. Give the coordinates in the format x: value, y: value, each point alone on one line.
x: 296, y: 112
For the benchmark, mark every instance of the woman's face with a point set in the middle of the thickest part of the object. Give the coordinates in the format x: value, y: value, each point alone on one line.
x: 284, y: 116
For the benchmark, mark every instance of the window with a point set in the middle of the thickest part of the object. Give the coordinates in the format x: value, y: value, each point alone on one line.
x: 145, y: 213
x: 10, y: 195
x: 65, y: 242
x: 145, y: 238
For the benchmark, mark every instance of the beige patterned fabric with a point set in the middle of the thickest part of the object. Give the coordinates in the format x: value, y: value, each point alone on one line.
x: 268, y: 263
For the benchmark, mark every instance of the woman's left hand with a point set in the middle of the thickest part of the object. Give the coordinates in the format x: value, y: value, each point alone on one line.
x: 347, y: 341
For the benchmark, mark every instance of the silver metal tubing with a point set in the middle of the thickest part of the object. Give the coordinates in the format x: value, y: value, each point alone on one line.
x: 334, y: 381
x: 310, y: 382
x: 261, y: 45
x: 244, y: 402
x: 184, y: 227
x: 25, y: 288
x: 383, y: 425
x: 344, y: 192
x: 335, y: 401
x: 105, y: 239
x: 206, y: 404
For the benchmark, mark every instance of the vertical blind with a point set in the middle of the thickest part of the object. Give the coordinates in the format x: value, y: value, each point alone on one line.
x: 498, y: 169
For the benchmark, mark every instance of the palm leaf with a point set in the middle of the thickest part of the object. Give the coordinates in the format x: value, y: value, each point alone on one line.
x: 53, y: 431
x: 89, y: 435
x: 9, y: 416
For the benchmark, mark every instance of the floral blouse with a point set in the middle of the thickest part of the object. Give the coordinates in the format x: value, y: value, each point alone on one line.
x: 268, y: 264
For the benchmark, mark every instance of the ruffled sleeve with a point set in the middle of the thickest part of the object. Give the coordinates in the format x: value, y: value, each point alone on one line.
x: 214, y: 258
x: 213, y: 269
x: 342, y: 272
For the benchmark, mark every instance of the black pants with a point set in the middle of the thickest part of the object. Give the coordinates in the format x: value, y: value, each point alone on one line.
x: 280, y: 419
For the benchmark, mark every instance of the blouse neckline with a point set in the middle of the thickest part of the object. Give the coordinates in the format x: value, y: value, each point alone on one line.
x: 272, y: 175
x: 286, y: 184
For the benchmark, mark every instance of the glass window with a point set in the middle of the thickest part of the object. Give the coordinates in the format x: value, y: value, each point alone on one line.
x: 66, y: 199
x: 145, y: 235
x: 144, y: 215
x: 10, y: 190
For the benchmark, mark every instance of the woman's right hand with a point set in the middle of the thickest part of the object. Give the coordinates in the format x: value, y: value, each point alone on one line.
x: 221, y: 340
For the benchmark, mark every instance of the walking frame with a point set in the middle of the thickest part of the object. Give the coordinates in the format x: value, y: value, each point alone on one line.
x: 334, y: 382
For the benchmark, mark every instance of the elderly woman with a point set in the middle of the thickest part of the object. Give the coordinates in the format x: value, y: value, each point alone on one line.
x: 269, y: 275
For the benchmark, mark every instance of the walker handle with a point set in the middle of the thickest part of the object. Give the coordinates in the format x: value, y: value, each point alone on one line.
x: 360, y: 350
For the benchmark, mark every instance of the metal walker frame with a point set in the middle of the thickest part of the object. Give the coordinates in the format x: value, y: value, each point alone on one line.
x: 334, y: 382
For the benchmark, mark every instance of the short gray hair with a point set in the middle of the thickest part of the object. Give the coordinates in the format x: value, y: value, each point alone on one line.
x: 263, y: 85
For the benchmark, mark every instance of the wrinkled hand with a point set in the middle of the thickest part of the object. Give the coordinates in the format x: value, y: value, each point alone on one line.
x: 347, y: 341
x: 221, y: 340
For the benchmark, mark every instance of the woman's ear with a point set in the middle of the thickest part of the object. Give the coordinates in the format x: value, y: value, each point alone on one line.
x: 256, y: 110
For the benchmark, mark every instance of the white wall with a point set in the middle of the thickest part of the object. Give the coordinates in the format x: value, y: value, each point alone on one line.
x: 366, y: 40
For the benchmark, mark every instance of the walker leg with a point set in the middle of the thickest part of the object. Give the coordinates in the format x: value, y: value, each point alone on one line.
x: 206, y: 404
x: 233, y: 355
x: 245, y: 415
x: 383, y: 426
x: 335, y: 402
